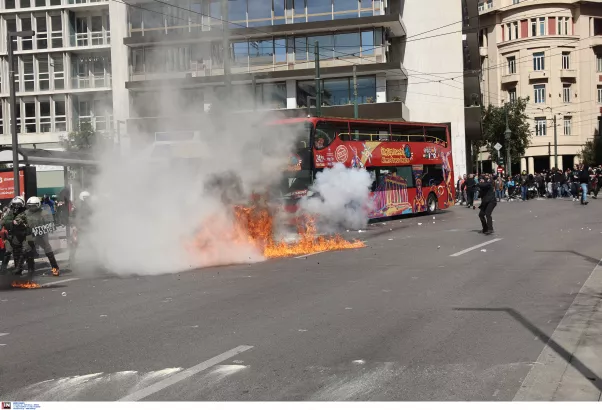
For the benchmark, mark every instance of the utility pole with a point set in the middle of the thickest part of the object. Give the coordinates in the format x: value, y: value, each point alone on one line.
x: 355, y: 107
x: 318, y: 81
x: 13, y: 103
x: 254, y: 92
x: 555, y: 144
x: 508, y: 135
x: 226, y: 48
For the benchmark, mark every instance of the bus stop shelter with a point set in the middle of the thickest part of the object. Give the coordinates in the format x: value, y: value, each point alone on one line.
x: 68, y: 160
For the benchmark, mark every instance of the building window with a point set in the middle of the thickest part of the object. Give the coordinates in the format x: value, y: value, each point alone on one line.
x: 58, y: 71
x: 30, y: 117
x: 509, y: 31
x: 43, y: 72
x: 45, y: 125
x: 599, y: 63
x: 540, y: 126
x: 9, y: 4
x: 564, y: 26
x: 542, y: 26
x: 28, y: 73
x: 41, y: 32
x: 512, y: 95
x: 319, y: 10
x: 600, y: 94
x: 60, y: 116
x: 515, y: 1
x: 299, y: 10
x: 26, y: 42
x: 566, y: 60
x: 96, y: 30
x: 533, y: 27
x: 57, y: 31
x: 337, y: 91
x: 511, y: 65
x: 81, y: 31
x: 566, y: 93
x: 1, y: 121
x: 539, y: 61
x: 515, y: 29
x: 567, y: 125
x: 540, y: 93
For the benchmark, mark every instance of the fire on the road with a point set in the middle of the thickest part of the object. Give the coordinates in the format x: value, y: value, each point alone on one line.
x: 25, y: 285
x: 254, y: 226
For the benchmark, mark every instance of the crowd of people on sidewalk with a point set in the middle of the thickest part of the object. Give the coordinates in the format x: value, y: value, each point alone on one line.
x: 576, y: 184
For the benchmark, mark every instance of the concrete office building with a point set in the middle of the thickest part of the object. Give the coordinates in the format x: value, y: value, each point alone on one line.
x: 551, y: 52
x: 63, y: 73
x: 108, y: 61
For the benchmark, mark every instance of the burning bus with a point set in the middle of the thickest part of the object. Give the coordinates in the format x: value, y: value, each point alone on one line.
x: 411, y: 163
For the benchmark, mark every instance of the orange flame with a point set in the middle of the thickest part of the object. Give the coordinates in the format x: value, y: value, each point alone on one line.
x: 254, y: 226
x: 25, y: 285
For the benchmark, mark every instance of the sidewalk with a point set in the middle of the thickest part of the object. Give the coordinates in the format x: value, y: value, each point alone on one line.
x: 570, y: 366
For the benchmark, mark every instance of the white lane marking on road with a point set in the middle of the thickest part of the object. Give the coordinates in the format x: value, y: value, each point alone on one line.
x: 472, y: 248
x: 309, y: 254
x: 45, y: 285
x: 178, y: 377
x: 4, y: 334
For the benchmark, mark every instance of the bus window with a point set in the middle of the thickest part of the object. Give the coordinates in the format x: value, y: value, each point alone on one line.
x: 326, y: 133
x: 433, y: 175
x: 379, y: 174
x: 369, y: 132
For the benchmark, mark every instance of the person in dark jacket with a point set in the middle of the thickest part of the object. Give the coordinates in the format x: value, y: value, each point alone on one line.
x: 584, y: 181
x: 488, y: 204
x: 470, y: 184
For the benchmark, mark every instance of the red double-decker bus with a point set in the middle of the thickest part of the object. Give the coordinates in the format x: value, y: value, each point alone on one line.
x: 411, y: 163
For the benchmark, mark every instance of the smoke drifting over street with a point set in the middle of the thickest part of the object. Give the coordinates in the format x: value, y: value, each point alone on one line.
x: 341, y: 200
x: 149, y: 206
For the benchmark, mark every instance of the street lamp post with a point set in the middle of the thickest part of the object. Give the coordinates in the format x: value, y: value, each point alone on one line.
x: 13, y: 103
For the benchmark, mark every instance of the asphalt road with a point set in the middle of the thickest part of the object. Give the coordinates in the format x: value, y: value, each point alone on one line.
x: 398, y: 320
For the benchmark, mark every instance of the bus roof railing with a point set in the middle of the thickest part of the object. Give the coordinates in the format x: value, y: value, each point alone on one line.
x: 386, y: 137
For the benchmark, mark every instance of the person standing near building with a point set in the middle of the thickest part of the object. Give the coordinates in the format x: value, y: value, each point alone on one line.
x: 499, y: 187
x: 488, y: 204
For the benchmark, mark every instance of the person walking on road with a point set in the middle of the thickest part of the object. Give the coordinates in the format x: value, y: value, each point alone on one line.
x: 469, y: 184
x: 488, y: 204
x: 499, y: 188
x: 584, y: 181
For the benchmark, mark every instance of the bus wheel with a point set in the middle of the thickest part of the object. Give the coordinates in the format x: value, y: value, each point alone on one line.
x: 431, y: 204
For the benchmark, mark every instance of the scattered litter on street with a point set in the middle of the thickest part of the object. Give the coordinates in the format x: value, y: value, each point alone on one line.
x: 64, y: 293
x: 359, y: 361
x: 419, y: 223
x: 103, y: 315
x: 483, y: 250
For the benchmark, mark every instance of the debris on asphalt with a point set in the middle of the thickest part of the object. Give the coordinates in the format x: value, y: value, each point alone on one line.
x: 390, y: 239
x: 348, y: 308
x: 433, y: 221
x: 390, y: 229
x: 103, y: 315
x: 355, y: 361
x: 433, y: 217
x: 360, y: 231
x: 64, y: 293
x: 419, y: 223
x: 483, y: 250
x: 302, y: 330
x: 439, y: 247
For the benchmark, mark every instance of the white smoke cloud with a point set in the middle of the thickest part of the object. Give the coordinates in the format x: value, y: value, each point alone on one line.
x: 147, y: 211
x: 342, y: 198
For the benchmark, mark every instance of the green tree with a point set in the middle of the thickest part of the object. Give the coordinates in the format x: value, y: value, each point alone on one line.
x: 86, y: 139
x: 591, y: 153
x: 494, y: 126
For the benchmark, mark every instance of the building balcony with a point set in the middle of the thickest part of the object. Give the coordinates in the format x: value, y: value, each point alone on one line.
x: 568, y: 73
x: 206, y: 73
x: 595, y: 41
x: 91, y: 82
x: 538, y: 75
x: 195, y: 34
x: 510, y: 78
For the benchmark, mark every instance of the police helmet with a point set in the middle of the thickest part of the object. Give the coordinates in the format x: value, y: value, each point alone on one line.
x: 84, y: 195
x: 17, y: 202
x: 34, y: 202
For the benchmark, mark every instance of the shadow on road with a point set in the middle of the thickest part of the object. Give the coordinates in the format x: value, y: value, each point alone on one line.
x: 595, y: 261
x: 567, y: 356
